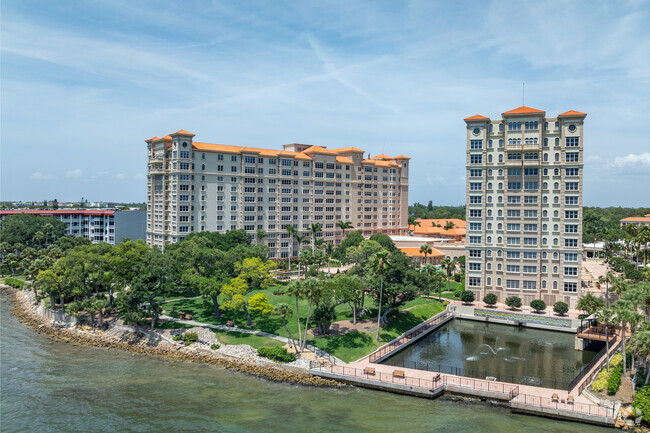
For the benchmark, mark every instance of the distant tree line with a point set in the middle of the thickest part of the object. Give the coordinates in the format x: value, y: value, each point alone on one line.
x: 436, y: 212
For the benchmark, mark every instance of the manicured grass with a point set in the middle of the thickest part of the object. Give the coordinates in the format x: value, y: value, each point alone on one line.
x: 347, y: 347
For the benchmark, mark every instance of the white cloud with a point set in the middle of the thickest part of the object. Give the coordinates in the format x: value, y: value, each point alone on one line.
x: 76, y: 173
x: 140, y: 176
x: 640, y: 159
x: 119, y: 176
x: 42, y: 176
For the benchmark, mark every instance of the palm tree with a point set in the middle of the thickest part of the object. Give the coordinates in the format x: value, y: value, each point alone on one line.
x: 607, y: 317
x: 329, y: 250
x: 284, y: 311
x: 643, y: 238
x: 413, y: 222
x: 640, y: 346
x: 300, y: 239
x: 449, y: 267
x: 426, y: 250
x: 380, y: 265
x: 607, y: 280
x: 261, y: 234
x: 344, y: 225
x: 625, y: 314
x: 314, y: 228
x: 450, y: 225
x: 292, y: 232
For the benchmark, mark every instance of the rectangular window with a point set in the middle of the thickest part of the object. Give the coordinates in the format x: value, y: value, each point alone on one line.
x: 571, y: 186
x: 474, y: 266
x: 475, y: 199
x: 570, y: 199
x: 474, y: 239
x: 570, y: 257
x: 514, y: 156
x: 531, y: 255
x: 571, y: 214
x: 572, y: 171
x: 475, y: 253
x: 475, y: 186
x: 530, y: 199
x: 475, y: 172
x: 513, y: 227
x: 530, y: 241
x: 474, y: 281
x: 530, y: 227
x: 572, y: 156
x: 571, y: 287
x: 514, y: 185
x: 250, y: 159
x: 512, y: 284
x: 476, y: 159
x: 475, y: 226
x: 476, y: 144
x: 531, y: 172
x: 572, y: 141
x: 514, y: 199
x: 530, y: 156
x: 512, y: 254
x: 530, y: 285
x: 513, y: 241
x: 530, y: 213
x: 475, y: 213
x: 531, y: 185
x: 512, y: 268
x: 570, y: 271
x: 530, y: 269
x: 570, y: 242
x: 571, y: 228
x: 514, y: 213
x: 514, y: 172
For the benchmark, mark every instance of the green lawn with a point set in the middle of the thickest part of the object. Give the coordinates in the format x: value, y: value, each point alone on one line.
x: 229, y: 337
x: 347, y: 347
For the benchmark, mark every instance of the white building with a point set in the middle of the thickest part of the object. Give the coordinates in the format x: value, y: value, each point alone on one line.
x: 195, y: 186
x: 524, y: 205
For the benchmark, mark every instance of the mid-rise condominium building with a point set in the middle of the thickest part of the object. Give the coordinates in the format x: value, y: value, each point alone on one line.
x: 524, y: 205
x: 195, y: 187
x: 112, y: 226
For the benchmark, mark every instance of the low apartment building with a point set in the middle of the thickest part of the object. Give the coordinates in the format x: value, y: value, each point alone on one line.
x: 111, y: 226
x: 194, y: 186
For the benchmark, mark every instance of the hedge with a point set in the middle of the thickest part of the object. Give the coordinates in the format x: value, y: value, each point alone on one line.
x: 276, y: 354
x: 642, y: 401
x: 614, y: 381
x: 15, y: 283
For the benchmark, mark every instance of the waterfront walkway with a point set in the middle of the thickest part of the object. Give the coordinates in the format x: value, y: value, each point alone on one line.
x: 564, y: 404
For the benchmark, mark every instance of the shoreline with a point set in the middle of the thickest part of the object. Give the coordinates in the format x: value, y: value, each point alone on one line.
x: 25, y: 311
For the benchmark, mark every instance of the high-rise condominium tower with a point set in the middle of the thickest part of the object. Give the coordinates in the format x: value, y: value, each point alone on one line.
x: 524, y: 205
x: 193, y: 187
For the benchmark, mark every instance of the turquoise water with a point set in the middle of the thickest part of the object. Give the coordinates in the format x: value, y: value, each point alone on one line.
x: 510, y: 353
x: 58, y: 387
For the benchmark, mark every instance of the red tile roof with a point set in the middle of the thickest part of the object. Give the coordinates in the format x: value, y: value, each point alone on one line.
x: 415, y: 252
x: 476, y: 117
x: 572, y: 113
x: 183, y: 132
x: 524, y: 110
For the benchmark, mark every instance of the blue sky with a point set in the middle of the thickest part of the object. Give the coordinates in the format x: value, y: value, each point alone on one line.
x: 85, y: 83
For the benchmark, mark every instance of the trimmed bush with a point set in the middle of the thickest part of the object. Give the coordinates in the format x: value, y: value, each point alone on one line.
x: 215, y: 346
x: 561, y: 308
x: 490, y: 299
x: 458, y: 292
x: 538, y: 305
x: 616, y: 360
x: 467, y: 296
x: 187, y: 338
x: 276, y: 354
x: 601, y: 382
x: 614, y: 381
x: 15, y: 283
x: 513, y: 302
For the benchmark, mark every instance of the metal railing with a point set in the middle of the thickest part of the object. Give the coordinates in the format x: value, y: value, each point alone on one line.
x: 508, y: 390
x: 460, y: 371
x: 540, y: 402
x: 593, y: 367
x: 409, y: 335
x: 599, y: 331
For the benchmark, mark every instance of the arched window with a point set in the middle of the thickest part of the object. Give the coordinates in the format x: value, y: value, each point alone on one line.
x: 500, y: 212
x: 543, y: 284
x: 543, y: 227
x: 489, y: 199
x: 499, y: 252
x: 545, y: 125
x: 489, y: 266
x: 500, y: 185
x: 556, y: 214
x: 489, y: 172
x: 544, y: 185
x: 544, y: 241
x: 546, y: 172
x: 556, y: 185
x: 489, y: 185
x: 554, y: 285
x: 499, y: 240
x: 543, y: 269
x: 544, y: 255
x: 556, y: 227
x: 489, y: 280
x: 500, y: 142
x: 555, y: 255
x: 555, y: 241
x: 544, y: 213
x: 489, y: 226
x: 555, y: 272
x: 545, y: 199
x: 490, y: 128
x: 557, y: 141
x: 489, y: 239
x: 500, y: 158
x: 489, y: 158
x: 489, y: 253
x: 556, y: 199
x: 500, y: 199
x: 500, y: 226
x: 489, y: 212
x: 499, y: 282
x: 546, y: 157
x: 490, y: 141
x: 557, y: 157
x: 546, y: 142
x: 556, y: 171
x: 498, y: 266
x: 557, y: 125
x: 500, y: 172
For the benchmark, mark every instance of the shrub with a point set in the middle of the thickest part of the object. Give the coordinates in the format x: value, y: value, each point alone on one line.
x: 445, y: 303
x: 215, y: 346
x: 276, y: 353
x: 187, y: 338
x: 601, y: 382
x: 467, y: 296
x: 458, y: 292
x: 15, y: 283
x: 616, y: 360
x: 513, y: 302
x: 642, y: 401
x: 561, y: 308
x: 457, y: 277
x: 614, y: 381
x: 538, y: 305
x: 490, y: 299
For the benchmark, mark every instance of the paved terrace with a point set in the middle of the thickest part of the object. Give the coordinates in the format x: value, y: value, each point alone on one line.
x: 530, y: 399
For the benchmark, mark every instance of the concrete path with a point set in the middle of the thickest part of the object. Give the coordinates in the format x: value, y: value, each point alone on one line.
x: 314, y: 349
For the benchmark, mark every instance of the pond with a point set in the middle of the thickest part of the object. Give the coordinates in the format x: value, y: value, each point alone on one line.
x: 511, y: 354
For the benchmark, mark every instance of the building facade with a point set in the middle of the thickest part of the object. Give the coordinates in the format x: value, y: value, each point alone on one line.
x: 639, y: 221
x: 111, y: 226
x: 524, y: 205
x: 195, y: 187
